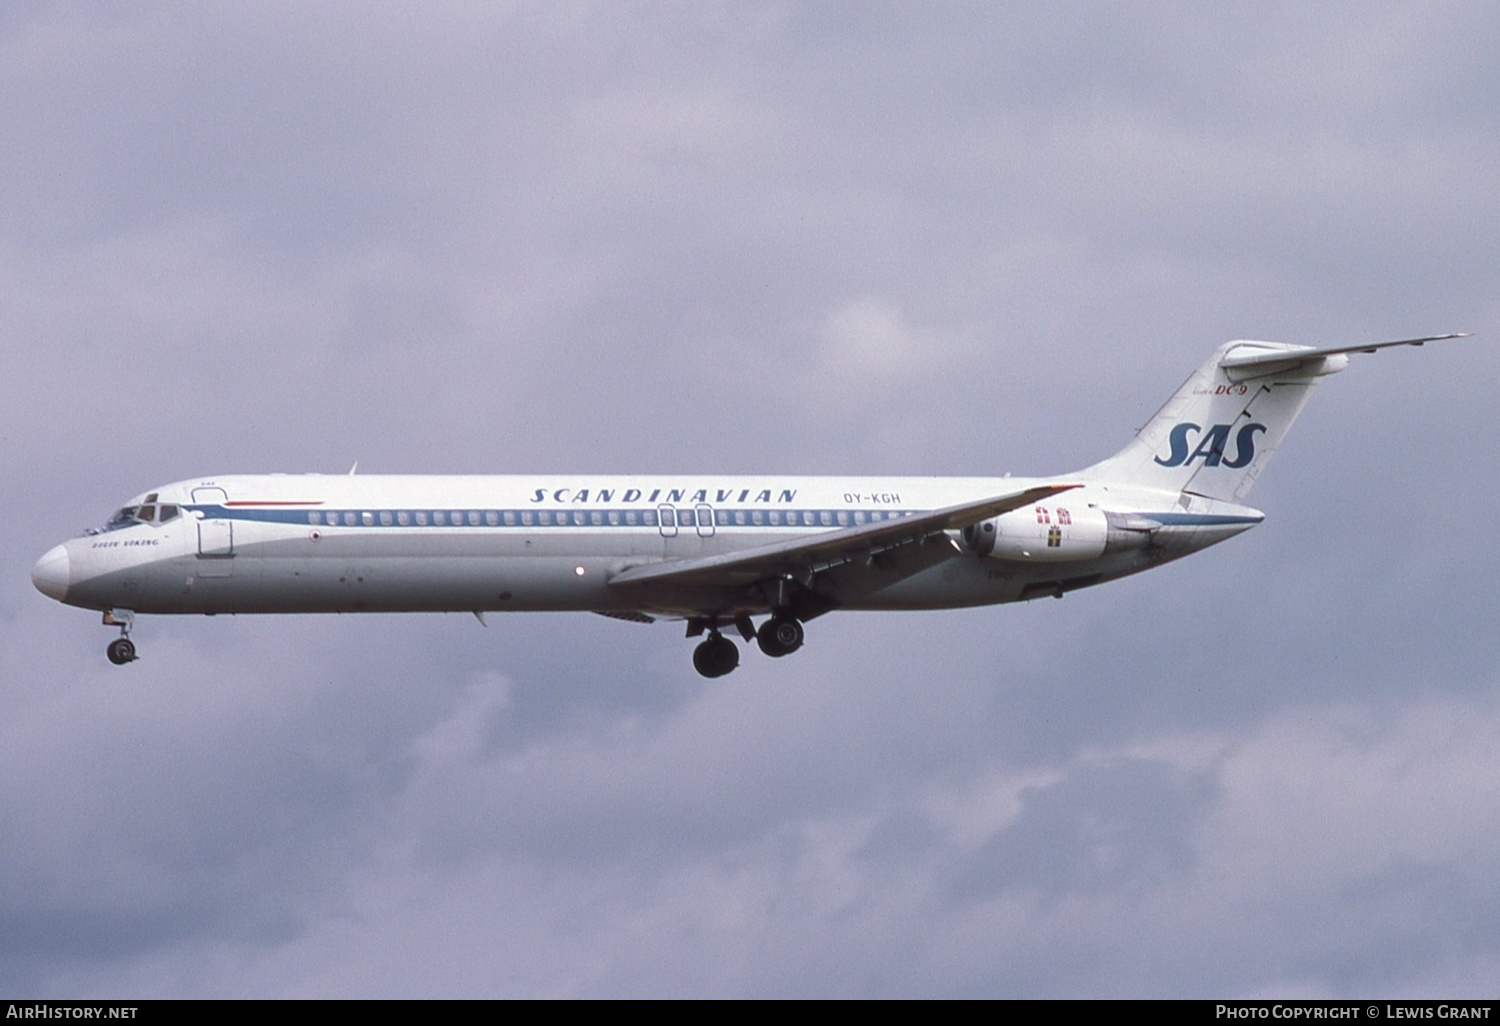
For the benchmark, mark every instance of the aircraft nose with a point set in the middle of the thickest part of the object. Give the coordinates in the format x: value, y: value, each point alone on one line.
x: 50, y: 575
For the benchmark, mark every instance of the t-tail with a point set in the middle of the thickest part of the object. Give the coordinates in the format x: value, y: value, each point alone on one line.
x: 1214, y: 438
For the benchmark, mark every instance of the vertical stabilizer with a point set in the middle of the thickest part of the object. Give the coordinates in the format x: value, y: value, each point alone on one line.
x: 1216, y: 435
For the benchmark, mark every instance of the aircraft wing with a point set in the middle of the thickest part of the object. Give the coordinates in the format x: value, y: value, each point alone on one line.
x: 802, y: 558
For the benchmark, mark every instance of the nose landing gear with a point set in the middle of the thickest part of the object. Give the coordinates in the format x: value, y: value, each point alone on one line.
x: 122, y: 649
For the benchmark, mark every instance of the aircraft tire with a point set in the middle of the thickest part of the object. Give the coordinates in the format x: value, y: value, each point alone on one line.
x: 780, y: 636
x: 121, y: 651
x: 716, y: 657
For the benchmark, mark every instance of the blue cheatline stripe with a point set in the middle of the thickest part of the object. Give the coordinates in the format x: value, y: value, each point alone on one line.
x: 1199, y: 519
x: 530, y: 519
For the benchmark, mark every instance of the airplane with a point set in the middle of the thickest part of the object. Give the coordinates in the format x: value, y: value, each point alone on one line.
x: 715, y: 552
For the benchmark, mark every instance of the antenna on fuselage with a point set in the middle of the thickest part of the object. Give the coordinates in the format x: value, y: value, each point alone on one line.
x: 354, y: 468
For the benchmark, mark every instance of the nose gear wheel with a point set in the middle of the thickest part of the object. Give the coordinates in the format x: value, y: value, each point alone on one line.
x: 122, y: 649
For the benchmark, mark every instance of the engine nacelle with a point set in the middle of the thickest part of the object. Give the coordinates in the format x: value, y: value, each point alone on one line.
x: 1053, y: 534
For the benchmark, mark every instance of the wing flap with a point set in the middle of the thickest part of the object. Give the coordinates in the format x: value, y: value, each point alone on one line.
x: 803, y: 557
x: 625, y: 614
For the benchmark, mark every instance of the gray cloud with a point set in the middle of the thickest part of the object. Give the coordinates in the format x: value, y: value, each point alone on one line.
x: 727, y: 238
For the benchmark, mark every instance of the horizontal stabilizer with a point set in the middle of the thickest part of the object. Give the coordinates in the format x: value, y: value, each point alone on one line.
x: 1280, y: 356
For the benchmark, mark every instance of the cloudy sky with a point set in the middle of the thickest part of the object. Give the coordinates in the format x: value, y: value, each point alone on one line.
x: 740, y: 238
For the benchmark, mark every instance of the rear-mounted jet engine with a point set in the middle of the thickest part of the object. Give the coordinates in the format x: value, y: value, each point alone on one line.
x: 1057, y: 534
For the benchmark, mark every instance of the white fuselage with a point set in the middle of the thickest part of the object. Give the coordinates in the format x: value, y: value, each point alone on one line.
x: 314, y: 543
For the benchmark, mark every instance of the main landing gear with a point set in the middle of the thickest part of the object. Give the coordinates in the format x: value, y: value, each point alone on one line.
x: 122, y: 649
x: 779, y: 636
x: 716, y: 656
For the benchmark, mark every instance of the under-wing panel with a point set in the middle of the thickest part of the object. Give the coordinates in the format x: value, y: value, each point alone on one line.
x: 851, y: 561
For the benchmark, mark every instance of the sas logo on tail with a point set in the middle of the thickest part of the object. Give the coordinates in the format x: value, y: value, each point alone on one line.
x: 1211, y: 447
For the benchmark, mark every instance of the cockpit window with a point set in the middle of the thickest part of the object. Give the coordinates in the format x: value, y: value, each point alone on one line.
x: 145, y: 514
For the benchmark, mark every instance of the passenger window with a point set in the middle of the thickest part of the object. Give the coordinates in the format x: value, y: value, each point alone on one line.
x: 367, y: 518
x: 614, y: 518
x: 385, y: 518
x: 648, y: 517
x: 315, y: 517
x: 630, y: 517
x: 403, y: 518
x: 492, y: 518
x: 439, y: 518
x: 544, y: 517
x: 526, y: 517
x: 510, y: 518
x: 596, y: 518
x: 843, y: 518
x: 421, y: 515
x: 757, y: 517
x: 686, y: 517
